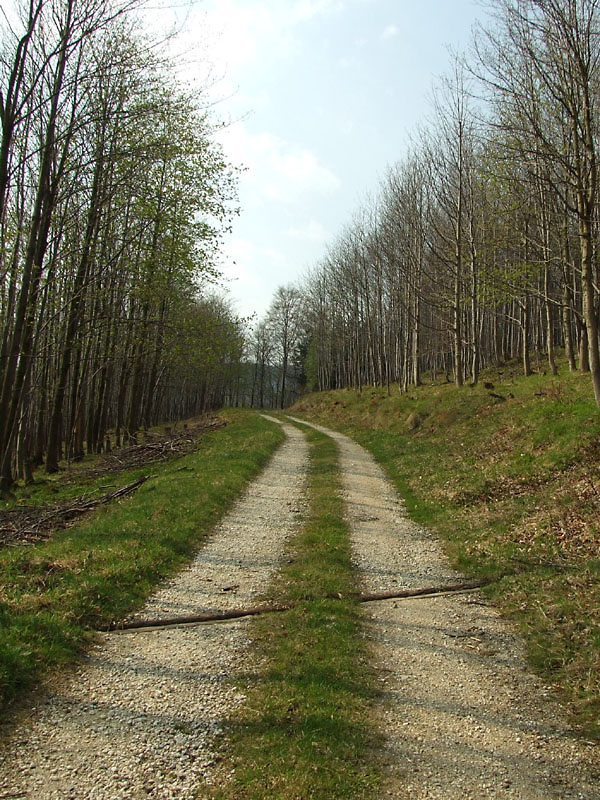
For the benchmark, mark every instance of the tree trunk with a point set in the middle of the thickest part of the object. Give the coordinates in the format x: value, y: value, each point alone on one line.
x: 589, y: 309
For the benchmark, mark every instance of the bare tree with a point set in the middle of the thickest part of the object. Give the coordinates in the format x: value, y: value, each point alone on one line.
x: 284, y: 326
x: 551, y: 49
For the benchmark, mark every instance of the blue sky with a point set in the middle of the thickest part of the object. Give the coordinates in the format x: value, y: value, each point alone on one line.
x: 324, y: 96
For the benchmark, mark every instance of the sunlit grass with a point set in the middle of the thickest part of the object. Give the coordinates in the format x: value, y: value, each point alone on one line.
x: 52, y: 595
x: 304, y: 729
x: 509, y: 484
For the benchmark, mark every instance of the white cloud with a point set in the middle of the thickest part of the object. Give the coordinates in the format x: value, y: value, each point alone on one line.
x: 277, y: 169
x: 307, y: 9
x: 390, y: 32
x: 313, y: 231
x: 239, y: 32
x: 299, y: 169
x: 250, y: 272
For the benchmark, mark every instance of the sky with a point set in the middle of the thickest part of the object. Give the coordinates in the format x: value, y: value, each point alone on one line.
x: 321, y: 97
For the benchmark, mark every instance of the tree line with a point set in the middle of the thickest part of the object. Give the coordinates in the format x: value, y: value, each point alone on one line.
x: 114, y: 197
x: 481, y: 244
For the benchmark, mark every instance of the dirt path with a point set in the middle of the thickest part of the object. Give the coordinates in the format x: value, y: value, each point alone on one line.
x: 462, y: 715
x: 142, y: 717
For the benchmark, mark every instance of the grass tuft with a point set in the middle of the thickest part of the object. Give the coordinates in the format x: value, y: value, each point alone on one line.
x: 303, y: 731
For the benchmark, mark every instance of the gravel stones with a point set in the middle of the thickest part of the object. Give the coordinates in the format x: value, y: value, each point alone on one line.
x: 462, y: 715
x: 143, y: 716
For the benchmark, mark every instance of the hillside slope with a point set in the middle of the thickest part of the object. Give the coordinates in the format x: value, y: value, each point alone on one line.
x: 508, y: 473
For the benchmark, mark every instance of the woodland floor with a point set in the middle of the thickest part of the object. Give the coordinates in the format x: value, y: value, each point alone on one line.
x: 27, y: 524
x: 461, y: 715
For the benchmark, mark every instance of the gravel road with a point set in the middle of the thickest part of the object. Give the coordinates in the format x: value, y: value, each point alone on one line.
x: 463, y: 717
x: 143, y: 716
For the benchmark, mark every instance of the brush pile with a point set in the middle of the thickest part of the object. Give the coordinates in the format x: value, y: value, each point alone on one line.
x: 30, y: 524
x: 156, y: 447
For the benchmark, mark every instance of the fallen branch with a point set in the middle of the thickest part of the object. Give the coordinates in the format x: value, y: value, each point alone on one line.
x: 124, y: 490
x: 34, y: 524
x: 222, y: 616
x: 194, y: 619
x: 423, y: 591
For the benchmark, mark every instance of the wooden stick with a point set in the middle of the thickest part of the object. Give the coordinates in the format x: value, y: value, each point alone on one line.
x: 425, y: 590
x: 221, y: 616
x: 190, y: 619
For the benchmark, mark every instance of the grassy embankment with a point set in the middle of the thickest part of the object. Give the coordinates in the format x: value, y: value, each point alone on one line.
x: 513, y: 487
x: 54, y: 593
x: 304, y: 728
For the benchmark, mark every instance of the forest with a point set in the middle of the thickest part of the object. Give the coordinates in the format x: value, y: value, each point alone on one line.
x: 478, y: 246
x: 114, y: 197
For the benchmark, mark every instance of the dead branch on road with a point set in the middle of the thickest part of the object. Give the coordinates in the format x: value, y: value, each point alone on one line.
x: 221, y: 616
x: 402, y: 594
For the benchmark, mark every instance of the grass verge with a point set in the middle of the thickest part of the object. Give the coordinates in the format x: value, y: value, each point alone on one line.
x: 52, y: 595
x: 303, y: 731
x: 513, y: 487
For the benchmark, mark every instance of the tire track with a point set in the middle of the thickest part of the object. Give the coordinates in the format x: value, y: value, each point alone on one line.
x: 462, y: 714
x: 142, y: 718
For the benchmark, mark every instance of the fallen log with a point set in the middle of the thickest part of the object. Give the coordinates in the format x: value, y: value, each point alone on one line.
x: 223, y: 616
